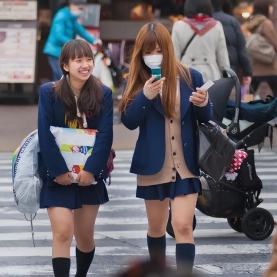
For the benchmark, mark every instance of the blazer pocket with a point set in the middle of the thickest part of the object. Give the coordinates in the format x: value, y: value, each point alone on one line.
x: 140, y: 157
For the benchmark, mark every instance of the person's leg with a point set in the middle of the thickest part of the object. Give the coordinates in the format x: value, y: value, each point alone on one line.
x: 55, y: 66
x: 157, y: 214
x: 84, y: 221
x: 183, y: 209
x: 272, y: 82
x: 62, y: 228
x: 254, y: 85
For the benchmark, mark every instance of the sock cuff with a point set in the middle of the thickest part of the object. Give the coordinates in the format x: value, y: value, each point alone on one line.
x: 60, y: 259
x: 84, y: 253
x: 187, y: 244
x: 163, y: 237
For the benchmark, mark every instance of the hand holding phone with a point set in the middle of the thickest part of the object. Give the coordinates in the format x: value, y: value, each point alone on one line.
x: 156, y: 71
x: 151, y: 89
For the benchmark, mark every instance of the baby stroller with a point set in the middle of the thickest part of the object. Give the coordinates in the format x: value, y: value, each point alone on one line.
x: 247, y: 125
x: 109, y: 68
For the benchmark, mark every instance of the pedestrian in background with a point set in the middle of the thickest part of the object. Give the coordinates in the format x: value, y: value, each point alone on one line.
x: 264, y: 72
x: 76, y: 101
x: 199, y: 40
x: 165, y: 160
x: 65, y: 27
x: 235, y: 41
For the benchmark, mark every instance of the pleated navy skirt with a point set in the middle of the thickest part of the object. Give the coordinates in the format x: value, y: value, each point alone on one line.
x: 170, y: 190
x: 73, y: 196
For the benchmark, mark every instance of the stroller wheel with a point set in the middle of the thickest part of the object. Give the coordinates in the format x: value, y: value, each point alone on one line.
x: 257, y: 224
x: 169, y: 228
x: 235, y: 224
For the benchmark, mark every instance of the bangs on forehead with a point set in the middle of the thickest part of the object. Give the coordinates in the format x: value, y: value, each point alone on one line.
x: 150, y: 42
x: 80, y: 50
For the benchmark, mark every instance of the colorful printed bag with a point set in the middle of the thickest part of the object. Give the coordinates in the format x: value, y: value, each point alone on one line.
x: 75, y: 145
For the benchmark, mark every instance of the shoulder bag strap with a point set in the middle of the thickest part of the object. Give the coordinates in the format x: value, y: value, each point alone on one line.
x: 188, y: 44
x: 260, y: 27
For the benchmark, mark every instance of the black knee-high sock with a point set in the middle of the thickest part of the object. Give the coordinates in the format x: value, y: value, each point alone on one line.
x: 185, y: 254
x: 157, y: 247
x: 83, y: 261
x: 61, y: 267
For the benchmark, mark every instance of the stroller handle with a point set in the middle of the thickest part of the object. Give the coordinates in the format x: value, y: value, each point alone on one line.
x: 272, y: 107
x: 233, y: 128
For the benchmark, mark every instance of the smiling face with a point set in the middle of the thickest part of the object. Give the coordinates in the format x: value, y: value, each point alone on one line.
x: 76, y: 60
x: 79, y: 69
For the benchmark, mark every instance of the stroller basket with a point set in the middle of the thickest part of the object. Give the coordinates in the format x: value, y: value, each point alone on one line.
x: 218, y: 200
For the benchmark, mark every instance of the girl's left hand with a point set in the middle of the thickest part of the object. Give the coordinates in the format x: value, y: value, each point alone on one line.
x: 197, y: 98
x: 85, y: 178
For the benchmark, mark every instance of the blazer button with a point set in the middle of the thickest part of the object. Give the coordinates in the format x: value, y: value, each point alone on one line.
x: 173, y: 177
x: 143, y: 107
x: 183, y: 123
x: 185, y: 144
x: 192, y: 59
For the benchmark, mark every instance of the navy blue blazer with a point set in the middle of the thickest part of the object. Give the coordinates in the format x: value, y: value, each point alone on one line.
x: 148, y: 115
x: 51, y: 112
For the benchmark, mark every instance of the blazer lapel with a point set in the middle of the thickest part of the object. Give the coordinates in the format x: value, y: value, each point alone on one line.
x: 59, y: 114
x: 158, y: 104
x: 184, y: 93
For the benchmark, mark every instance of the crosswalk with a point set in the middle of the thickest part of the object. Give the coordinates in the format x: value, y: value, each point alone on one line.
x: 121, y: 230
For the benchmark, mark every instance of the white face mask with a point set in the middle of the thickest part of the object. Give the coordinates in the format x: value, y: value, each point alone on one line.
x: 76, y: 12
x: 153, y: 60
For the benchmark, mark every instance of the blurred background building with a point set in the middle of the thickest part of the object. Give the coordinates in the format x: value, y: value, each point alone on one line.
x: 111, y: 21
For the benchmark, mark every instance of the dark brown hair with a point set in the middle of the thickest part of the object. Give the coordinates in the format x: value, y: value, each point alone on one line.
x: 193, y: 7
x: 150, y: 35
x: 262, y: 7
x: 91, y: 95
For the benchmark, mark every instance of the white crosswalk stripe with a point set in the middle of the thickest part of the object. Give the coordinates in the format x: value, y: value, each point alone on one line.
x: 121, y: 229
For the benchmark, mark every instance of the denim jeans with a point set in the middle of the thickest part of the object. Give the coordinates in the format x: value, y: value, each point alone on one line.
x: 55, y: 66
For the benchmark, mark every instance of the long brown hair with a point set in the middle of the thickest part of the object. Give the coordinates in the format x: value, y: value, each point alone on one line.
x: 91, y: 95
x: 150, y: 35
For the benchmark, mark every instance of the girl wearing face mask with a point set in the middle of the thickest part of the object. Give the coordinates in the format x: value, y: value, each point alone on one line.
x: 165, y: 154
x: 65, y: 27
x: 76, y: 101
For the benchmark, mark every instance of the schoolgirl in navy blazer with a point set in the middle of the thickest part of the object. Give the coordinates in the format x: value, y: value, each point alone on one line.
x: 148, y: 115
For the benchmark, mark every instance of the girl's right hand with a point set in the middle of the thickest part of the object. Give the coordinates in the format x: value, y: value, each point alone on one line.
x: 151, y: 89
x: 64, y: 179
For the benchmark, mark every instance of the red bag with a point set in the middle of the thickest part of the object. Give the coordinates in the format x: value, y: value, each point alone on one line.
x: 110, y: 164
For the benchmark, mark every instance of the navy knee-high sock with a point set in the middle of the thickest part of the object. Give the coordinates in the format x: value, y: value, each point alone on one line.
x: 61, y: 267
x: 83, y: 261
x: 185, y: 254
x: 157, y: 247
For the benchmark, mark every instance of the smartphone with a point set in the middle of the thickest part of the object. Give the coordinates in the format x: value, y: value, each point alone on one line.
x: 157, y: 71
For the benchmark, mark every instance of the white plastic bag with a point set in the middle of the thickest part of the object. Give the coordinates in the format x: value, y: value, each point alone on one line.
x: 26, y: 181
x: 75, y: 145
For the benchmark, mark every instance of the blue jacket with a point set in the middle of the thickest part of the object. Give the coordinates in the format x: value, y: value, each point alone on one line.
x: 51, y: 112
x: 148, y: 115
x: 65, y: 27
